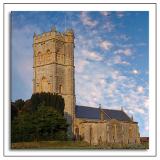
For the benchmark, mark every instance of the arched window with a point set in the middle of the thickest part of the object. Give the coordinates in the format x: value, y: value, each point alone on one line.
x: 77, y: 131
x: 48, y: 51
x: 38, y: 88
x: 44, y: 85
x: 90, y: 134
x: 60, y: 89
x: 39, y: 53
x: 130, y: 133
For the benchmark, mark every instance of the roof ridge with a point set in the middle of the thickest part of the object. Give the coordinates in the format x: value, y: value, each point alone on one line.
x: 112, y: 109
x: 102, y: 108
x: 86, y: 106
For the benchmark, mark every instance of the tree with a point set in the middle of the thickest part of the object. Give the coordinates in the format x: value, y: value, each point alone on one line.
x: 40, y: 118
x: 28, y: 107
x: 48, y: 99
x: 14, y: 111
x: 44, y: 124
x: 19, y: 104
x: 22, y: 128
x: 50, y: 124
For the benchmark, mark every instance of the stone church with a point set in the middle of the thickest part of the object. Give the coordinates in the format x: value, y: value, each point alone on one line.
x: 53, y: 71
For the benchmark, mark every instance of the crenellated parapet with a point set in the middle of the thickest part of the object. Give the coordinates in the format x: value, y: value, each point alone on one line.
x: 67, y: 36
x: 53, y: 47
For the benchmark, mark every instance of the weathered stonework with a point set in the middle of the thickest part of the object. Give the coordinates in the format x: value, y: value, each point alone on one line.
x: 107, y: 131
x: 53, y: 68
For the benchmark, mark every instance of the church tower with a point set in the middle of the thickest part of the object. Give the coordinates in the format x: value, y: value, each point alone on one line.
x: 53, y: 68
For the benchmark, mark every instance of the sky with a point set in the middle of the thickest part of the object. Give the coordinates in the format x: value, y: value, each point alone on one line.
x: 111, y: 57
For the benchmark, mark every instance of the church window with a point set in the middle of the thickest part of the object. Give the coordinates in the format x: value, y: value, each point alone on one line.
x: 62, y: 58
x: 59, y: 57
x: 113, y: 139
x: 44, y: 85
x: 77, y: 131
x: 130, y: 133
x: 122, y: 128
x: 107, y: 128
x: 38, y: 88
x: 38, y: 53
x: 60, y: 89
x: 100, y: 140
x: 77, y: 136
x: 48, y: 51
x: 90, y: 134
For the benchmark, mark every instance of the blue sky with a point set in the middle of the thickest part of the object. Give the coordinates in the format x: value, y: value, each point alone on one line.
x: 111, y: 57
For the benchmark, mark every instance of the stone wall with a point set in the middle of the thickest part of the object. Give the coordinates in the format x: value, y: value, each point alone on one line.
x: 107, y: 131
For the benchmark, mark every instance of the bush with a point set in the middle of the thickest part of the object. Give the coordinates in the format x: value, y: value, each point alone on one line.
x: 44, y: 124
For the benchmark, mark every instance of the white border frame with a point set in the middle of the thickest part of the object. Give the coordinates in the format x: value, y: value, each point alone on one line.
x: 83, y: 7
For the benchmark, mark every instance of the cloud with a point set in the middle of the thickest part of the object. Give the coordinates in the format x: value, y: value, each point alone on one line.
x: 147, y: 128
x: 112, y: 87
x: 86, y: 20
x: 120, y: 14
x: 92, y: 85
x: 123, y: 37
x: 139, y: 110
x: 146, y: 102
x: 109, y: 26
x: 126, y: 52
x: 92, y: 55
x: 135, y: 72
x: 105, y: 13
x: 140, y: 89
x: 81, y: 64
x: 102, y: 82
x: 106, y: 45
x: 118, y: 60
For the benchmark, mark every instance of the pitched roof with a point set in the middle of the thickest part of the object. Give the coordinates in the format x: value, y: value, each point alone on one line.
x: 94, y: 113
x: 116, y: 114
x: 87, y: 112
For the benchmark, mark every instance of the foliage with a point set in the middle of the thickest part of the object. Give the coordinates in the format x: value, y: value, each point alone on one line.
x: 48, y: 99
x: 19, y: 104
x: 27, y: 106
x: 43, y: 124
x: 39, y: 118
x: 14, y: 111
x: 37, y: 99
